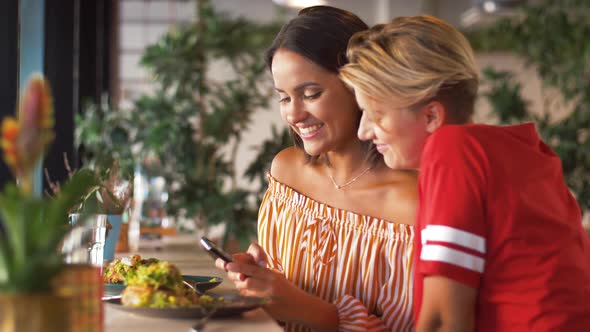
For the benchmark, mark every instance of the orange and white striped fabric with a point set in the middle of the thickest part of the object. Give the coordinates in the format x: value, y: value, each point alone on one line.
x: 362, y: 264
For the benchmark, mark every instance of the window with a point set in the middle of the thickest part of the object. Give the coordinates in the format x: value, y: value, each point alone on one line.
x: 142, y: 23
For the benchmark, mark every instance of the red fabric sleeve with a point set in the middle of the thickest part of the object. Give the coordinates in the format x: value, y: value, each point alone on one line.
x: 452, y: 191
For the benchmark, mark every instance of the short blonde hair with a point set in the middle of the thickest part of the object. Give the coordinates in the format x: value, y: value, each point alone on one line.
x: 414, y: 59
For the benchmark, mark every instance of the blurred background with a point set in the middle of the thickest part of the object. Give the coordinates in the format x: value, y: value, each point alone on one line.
x: 176, y: 93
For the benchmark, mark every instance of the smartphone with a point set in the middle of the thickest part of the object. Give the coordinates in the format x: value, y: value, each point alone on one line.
x: 214, y: 251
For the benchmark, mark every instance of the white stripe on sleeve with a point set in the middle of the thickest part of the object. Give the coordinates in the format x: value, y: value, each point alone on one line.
x: 438, y: 253
x: 452, y: 235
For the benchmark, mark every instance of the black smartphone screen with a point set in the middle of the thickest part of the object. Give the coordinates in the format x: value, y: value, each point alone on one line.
x: 214, y: 250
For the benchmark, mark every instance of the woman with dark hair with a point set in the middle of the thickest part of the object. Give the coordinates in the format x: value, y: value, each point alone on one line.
x: 335, y: 225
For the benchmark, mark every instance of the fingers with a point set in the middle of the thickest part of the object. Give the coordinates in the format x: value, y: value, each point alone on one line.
x: 220, y: 264
x: 249, y: 269
x: 236, y: 276
x: 243, y: 258
x: 258, y: 254
x: 239, y: 257
x: 240, y: 272
x: 261, y: 287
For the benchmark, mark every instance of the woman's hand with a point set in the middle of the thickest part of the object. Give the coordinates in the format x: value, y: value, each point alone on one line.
x: 287, y: 301
x: 250, y: 273
x: 254, y: 255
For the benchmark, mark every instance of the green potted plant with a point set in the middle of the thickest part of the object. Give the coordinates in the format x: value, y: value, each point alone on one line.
x: 189, y: 130
x: 110, y: 198
x: 31, y: 226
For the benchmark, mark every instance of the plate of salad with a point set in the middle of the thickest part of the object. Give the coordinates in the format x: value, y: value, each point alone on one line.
x: 158, y: 289
x: 117, y: 273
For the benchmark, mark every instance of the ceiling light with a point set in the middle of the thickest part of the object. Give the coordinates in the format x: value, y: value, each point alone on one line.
x: 487, y: 12
x: 489, y: 6
x: 299, y: 3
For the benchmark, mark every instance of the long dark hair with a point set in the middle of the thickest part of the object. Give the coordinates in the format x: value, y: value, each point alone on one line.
x: 320, y: 34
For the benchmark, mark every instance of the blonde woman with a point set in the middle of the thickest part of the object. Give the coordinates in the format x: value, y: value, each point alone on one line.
x: 499, y: 242
x: 335, y: 226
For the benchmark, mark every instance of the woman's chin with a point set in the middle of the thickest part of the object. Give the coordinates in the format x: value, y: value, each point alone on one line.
x: 393, y: 163
x: 312, y: 151
x: 389, y: 164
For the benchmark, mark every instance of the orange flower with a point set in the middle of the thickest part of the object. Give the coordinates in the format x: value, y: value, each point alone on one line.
x: 10, y: 131
x: 24, y: 141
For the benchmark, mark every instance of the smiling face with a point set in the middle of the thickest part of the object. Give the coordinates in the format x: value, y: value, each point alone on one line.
x: 399, y: 134
x: 314, y: 103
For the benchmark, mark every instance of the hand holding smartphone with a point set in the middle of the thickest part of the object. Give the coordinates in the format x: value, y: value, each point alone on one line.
x: 214, y: 251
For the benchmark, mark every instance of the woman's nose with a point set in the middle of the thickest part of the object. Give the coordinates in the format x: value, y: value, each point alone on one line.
x: 365, y: 131
x: 295, y: 113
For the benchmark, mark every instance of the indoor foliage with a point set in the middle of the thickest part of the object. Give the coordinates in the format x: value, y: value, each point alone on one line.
x: 31, y: 226
x: 190, y: 128
x: 552, y: 36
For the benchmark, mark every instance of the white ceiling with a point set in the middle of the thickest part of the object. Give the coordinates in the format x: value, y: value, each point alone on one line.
x: 372, y: 11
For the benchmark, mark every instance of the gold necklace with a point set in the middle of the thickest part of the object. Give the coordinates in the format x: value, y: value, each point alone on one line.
x: 340, y: 186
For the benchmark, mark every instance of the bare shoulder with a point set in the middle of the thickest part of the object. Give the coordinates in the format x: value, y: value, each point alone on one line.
x: 287, y: 164
x: 400, y: 188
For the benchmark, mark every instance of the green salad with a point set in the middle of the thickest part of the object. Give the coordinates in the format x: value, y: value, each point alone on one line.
x: 119, y: 270
x: 154, y: 283
x: 158, y: 275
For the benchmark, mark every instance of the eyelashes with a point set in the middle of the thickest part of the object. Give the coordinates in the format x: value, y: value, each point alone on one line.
x: 304, y: 97
x: 313, y: 96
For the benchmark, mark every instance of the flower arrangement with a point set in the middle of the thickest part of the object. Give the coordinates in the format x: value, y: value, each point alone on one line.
x: 32, y: 226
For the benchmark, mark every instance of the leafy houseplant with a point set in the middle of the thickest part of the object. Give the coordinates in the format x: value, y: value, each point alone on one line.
x: 190, y: 128
x: 111, y: 198
x: 33, y: 226
x: 105, y: 136
x: 552, y: 36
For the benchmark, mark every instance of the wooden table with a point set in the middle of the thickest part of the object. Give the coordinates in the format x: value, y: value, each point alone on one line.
x: 183, y: 251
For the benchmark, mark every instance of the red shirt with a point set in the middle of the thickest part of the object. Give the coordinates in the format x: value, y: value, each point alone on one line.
x: 496, y: 215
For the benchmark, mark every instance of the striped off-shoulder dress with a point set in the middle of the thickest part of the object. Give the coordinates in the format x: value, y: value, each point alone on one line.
x: 361, y: 264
